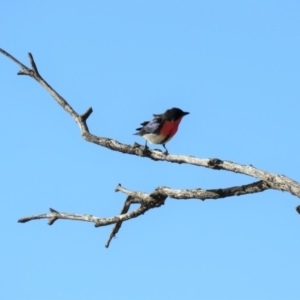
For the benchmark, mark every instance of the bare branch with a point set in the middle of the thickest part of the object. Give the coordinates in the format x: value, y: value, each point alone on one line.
x: 255, y: 187
x: 140, y: 197
x: 158, y: 197
x: 164, y: 192
x: 147, y: 202
x: 277, y: 182
x: 99, y: 222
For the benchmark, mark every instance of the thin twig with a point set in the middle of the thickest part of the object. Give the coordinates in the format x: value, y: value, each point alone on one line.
x: 118, y: 225
x: 33, y: 65
x: 12, y: 58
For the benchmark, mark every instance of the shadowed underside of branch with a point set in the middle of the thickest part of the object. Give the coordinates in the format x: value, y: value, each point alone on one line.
x: 157, y: 198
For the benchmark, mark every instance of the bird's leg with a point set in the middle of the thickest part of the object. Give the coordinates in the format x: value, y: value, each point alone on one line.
x: 166, y: 152
x: 146, y: 147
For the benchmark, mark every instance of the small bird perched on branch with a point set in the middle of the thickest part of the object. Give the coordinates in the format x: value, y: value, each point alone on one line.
x: 162, y: 128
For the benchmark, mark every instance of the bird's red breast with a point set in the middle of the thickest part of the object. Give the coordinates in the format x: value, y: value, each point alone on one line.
x: 169, y: 128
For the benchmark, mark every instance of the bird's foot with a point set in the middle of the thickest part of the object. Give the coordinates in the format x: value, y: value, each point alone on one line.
x: 146, y: 149
x: 142, y: 149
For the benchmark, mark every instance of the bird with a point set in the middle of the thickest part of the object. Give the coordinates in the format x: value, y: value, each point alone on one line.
x: 162, y: 128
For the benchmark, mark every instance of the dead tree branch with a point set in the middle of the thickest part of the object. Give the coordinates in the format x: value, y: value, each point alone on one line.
x: 146, y: 201
x: 277, y: 182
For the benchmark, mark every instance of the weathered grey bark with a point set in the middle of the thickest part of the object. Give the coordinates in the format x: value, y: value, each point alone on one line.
x: 156, y: 199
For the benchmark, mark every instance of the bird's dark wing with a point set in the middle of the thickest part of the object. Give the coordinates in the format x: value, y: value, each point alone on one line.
x: 145, y: 123
x: 150, y: 126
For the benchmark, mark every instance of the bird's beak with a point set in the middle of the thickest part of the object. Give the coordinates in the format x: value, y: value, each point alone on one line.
x: 185, y: 113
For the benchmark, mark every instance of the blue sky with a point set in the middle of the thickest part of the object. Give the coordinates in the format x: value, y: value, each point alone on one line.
x: 234, y: 65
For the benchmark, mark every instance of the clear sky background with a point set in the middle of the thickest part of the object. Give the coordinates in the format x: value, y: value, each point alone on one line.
x: 234, y: 65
